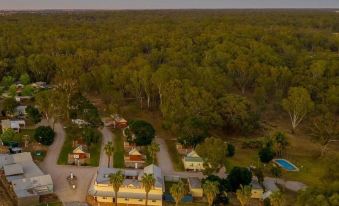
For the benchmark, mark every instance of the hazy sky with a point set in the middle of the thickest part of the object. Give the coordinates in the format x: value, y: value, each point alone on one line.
x: 164, y: 4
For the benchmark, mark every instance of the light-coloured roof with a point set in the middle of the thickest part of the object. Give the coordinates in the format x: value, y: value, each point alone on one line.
x: 255, y: 184
x: 79, y: 150
x: 134, y: 151
x: 156, y: 171
x: 6, y: 124
x: 194, y: 182
x: 104, y: 172
x: 13, y: 169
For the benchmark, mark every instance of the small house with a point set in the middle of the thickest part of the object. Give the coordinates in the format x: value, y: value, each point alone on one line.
x: 257, y: 190
x: 20, y: 110
x: 80, y: 122
x: 193, y: 162
x: 79, y: 156
x: 194, y: 184
x: 134, y: 159
x: 119, y: 122
x: 12, y: 124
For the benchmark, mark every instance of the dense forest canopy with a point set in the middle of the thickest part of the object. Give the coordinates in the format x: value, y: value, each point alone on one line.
x: 191, y: 65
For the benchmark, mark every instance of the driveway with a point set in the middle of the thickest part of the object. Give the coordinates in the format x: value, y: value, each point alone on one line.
x: 107, y: 136
x: 60, y: 172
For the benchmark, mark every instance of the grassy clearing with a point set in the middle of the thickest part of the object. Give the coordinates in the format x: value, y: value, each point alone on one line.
x: 175, y: 157
x: 118, y: 155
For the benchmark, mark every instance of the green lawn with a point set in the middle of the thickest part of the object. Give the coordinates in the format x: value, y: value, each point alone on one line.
x: 118, y: 155
x: 72, y: 133
x: 175, y: 157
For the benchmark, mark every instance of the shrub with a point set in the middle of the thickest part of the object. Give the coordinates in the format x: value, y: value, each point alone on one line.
x: 33, y: 114
x: 44, y: 135
x: 230, y: 150
x: 239, y: 176
x: 266, y: 154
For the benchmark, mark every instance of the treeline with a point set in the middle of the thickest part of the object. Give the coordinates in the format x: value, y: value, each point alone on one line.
x: 202, y: 69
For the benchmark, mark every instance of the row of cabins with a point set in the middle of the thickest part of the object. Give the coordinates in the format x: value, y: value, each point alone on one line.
x: 24, y: 179
x: 132, y: 191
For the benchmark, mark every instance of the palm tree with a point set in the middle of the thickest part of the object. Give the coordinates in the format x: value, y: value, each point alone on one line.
x: 276, y: 199
x: 178, y: 191
x: 244, y: 194
x: 116, y: 180
x: 211, y: 190
x: 109, y: 149
x: 148, y: 182
x: 153, y: 149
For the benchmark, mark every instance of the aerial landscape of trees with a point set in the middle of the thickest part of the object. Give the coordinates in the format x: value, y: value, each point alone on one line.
x: 208, y: 76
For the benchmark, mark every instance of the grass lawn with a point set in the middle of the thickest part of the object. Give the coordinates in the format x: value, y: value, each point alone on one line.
x: 118, y: 155
x: 175, y: 157
x: 75, y: 132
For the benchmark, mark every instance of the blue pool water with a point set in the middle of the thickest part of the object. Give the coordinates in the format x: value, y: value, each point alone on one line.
x: 286, y: 165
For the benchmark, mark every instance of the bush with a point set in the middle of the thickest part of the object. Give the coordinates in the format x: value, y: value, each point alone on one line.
x: 266, y: 154
x: 33, y: 114
x: 239, y: 176
x: 44, y: 135
x: 143, y: 131
x: 230, y: 150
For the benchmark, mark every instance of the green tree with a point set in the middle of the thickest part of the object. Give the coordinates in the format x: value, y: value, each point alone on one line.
x: 213, y: 152
x: 44, y: 135
x: 192, y: 132
x: 230, y: 150
x: 298, y: 104
x: 178, y: 191
x: 277, y: 199
x: 8, y: 135
x: 266, y: 154
x: 280, y: 143
x: 24, y: 79
x: 276, y: 172
x: 239, y: 176
x: 211, y: 190
x: 148, y: 182
x: 9, y: 105
x: 324, y: 195
x: 238, y: 113
x: 109, y: 149
x: 324, y: 130
x: 7, y: 81
x: 142, y: 131
x: 116, y: 180
x: 244, y: 194
x: 153, y: 148
x: 33, y: 114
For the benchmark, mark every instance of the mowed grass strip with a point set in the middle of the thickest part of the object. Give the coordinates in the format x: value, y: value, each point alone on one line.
x: 118, y: 155
x: 174, y: 155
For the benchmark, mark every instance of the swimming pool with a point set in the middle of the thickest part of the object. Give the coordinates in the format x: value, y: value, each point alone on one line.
x: 285, y: 164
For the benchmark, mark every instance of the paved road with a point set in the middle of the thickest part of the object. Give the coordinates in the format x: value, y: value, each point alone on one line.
x: 107, y: 136
x: 163, y: 157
